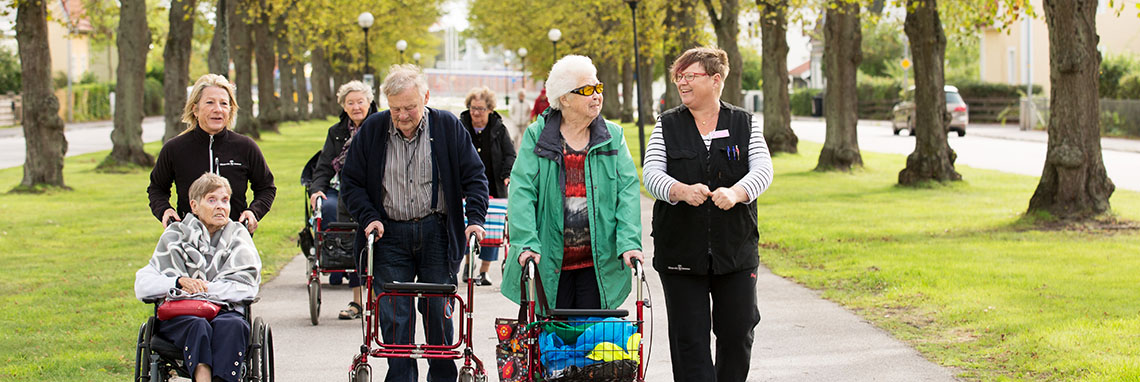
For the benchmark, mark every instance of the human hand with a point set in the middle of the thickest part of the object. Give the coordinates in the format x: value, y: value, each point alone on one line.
x: 169, y: 216
x: 249, y: 219
x: 632, y: 254
x: 192, y: 285
x: 726, y: 197
x: 313, y: 199
x: 507, y: 182
x: 377, y: 227
x: 475, y: 229
x: 527, y: 255
x: 694, y: 194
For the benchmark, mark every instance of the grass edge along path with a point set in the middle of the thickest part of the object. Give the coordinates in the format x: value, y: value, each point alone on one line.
x: 950, y: 270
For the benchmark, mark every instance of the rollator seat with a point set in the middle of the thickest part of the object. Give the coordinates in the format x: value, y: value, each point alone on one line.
x: 588, y: 313
x: 420, y: 287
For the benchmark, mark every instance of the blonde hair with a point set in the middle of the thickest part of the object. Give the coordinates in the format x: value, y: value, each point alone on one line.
x: 207, y: 183
x: 353, y: 86
x: 482, y: 93
x: 402, y: 77
x: 205, y: 81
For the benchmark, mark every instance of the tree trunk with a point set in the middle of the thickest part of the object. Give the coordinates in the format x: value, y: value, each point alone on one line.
x: 219, y: 56
x: 133, y: 44
x: 608, y: 73
x: 285, y: 67
x: 727, y: 28
x: 268, y: 111
x: 1074, y: 184
x: 777, y: 105
x: 627, y: 90
x: 302, y: 90
x: 241, y: 43
x: 681, y: 35
x: 932, y: 158
x: 645, y: 93
x: 320, y: 84
x: 177, y: 67
x: 841, y: 57
x: 43, y: 129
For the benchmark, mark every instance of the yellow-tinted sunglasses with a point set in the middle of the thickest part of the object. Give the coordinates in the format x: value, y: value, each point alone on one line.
x: 588, y: 90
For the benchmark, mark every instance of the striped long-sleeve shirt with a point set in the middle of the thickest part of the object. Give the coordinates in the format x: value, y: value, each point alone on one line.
x: 759, y: 177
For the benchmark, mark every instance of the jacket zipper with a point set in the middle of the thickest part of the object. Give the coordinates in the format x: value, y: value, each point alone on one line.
x: 214, y: 167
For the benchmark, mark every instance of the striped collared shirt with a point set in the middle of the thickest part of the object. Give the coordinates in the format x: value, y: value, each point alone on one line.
x: 407, y: 176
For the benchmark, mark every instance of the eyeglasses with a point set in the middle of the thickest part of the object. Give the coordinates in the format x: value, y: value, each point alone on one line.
x: 688, y: 77
x: 588, y: 90
x: 479, y: 109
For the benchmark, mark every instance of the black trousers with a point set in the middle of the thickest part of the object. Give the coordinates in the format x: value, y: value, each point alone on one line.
x: 723, y: 304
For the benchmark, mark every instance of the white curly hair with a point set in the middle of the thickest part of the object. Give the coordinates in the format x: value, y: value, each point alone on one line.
x: 568, y: 74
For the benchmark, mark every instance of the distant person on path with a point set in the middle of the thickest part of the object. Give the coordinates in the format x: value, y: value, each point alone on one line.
x: 495, y: 149
x: 520, y: 117
x: 205, y: 256
x: 706, y: 162
x: 540, y: 105
x: 404, y: 179
x: 356, y: 99
x: 208, y: 145
x: 575, y: 204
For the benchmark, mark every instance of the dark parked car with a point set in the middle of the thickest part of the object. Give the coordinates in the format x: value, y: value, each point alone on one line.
x: 903, y: 112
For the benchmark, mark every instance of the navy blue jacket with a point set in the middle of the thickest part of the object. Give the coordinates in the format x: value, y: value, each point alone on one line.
x: 461, y: 175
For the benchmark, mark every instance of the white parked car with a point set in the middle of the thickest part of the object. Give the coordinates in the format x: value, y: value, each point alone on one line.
x: 903, y: 112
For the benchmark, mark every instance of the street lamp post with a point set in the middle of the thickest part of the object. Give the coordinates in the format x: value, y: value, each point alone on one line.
x: 637, y: 78
x: 522, y: 61
x: 507, y: 80
x: 365, y: 21
x: 554, y: 35
x: 416, y: 56
x: 401, y: 46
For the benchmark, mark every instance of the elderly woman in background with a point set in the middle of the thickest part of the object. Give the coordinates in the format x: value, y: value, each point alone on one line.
x: 206, y: 256
x: 356, y: 99
x: 495, y: 149
x: 574, y: 207
x: 520, y: 117
x: 208, y: 145
x: 706, y: 163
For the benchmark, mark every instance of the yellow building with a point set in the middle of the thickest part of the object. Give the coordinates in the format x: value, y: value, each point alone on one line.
x: 1022, y: 50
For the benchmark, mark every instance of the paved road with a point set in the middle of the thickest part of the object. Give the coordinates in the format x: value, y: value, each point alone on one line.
x: 800, y: 338
x: 82, y: 138
x: 992, y: 147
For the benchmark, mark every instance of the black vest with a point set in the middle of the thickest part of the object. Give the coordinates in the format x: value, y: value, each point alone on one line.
x: 706, y: 239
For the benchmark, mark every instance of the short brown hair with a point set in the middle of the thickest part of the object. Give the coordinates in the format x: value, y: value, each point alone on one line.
x: 482, y: 93
x: 207, y: 183
x: 713, y: 60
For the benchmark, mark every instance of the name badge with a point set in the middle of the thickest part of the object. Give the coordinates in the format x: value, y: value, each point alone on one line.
x: 717, y: 134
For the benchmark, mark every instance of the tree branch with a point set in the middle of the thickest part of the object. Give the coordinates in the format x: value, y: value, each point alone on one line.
x: 712, y: 13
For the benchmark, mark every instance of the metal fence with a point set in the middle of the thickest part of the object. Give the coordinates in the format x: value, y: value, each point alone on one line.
x: 11, y: 110
x: 1120, y: 117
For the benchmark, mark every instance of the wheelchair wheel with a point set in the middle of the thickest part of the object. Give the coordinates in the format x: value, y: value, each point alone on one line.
x: 362, y: 373
x: 261, y: 352
x: 141, y: 353
x: 266, y: 354
x: 314, y: 300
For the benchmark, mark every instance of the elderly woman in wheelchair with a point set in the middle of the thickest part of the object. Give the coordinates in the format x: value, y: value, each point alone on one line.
x: 208, y: 259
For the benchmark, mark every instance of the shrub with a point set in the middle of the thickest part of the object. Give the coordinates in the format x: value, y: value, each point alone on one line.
x: 800, y: 100
x: 152, y: 96
x: 1113, y: 69
x: 871, y: 88
x: 10, y: 72
x: 1129, y: 87
x: 970, y: 90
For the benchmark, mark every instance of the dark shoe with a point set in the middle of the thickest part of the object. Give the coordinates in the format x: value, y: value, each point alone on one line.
x: 336, y: 278
x: 483, y: 280
x: 352, y: 312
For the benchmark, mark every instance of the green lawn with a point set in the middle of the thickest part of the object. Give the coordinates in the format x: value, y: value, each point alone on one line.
x: 946, y: 268
x: 949, y: 270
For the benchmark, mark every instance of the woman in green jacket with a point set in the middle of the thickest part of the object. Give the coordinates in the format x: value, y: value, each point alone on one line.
x: 574, y: 197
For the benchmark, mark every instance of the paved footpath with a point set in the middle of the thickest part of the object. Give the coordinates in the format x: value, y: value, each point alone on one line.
x: 801, y: 336
x: 82, y: 138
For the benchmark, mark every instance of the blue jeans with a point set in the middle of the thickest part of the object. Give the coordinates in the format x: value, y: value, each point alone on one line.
x: 415, y: 251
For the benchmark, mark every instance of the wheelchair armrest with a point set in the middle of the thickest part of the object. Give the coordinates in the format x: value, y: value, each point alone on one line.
x: 588, y: 313
x: 250, y: 300
x: 153, y: 300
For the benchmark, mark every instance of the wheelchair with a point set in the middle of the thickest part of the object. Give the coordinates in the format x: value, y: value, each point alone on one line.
x: 157, y: 359
x: 326, y: 244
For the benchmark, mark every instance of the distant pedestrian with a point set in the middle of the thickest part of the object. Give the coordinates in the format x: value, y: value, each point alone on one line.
x: 495, y: 149
x: 540, y: 105
x: 519, y: 118
x: 706, y: 162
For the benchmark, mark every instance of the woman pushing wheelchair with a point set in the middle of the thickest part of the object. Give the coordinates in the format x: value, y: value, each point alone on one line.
x: 205, y: 256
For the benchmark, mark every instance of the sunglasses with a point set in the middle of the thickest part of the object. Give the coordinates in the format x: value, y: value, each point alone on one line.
x: 688, y: 77
x: 588, y: 90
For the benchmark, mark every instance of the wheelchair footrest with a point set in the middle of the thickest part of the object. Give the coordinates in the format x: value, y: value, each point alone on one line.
x: 588, y: 313
x: 419, y: 288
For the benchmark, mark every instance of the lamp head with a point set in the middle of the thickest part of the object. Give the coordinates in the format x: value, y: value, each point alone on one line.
x: 522, y: 52
x: 365, y: 20
x: 554, y: 34
x: 401, y: 45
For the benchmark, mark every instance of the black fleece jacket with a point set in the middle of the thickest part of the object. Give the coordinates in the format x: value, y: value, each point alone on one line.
x: 234, y: 156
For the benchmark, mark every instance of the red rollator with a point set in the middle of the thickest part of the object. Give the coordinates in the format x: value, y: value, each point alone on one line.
x: 570, y: 345
x: 374, y: 345
x: 331, y: 252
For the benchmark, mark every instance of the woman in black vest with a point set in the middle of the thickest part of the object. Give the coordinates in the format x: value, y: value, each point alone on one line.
x: 706, y: 162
